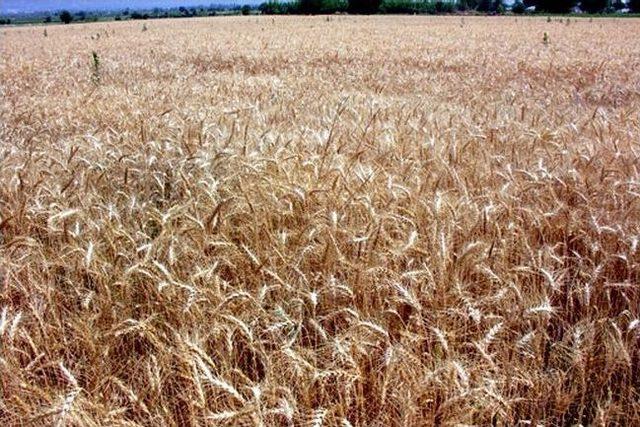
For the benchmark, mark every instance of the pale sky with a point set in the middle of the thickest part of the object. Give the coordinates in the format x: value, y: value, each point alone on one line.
x: 14, y: 6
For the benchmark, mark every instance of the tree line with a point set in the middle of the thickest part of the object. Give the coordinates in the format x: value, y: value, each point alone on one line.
x: 276, y: 7
x: 443, y: 6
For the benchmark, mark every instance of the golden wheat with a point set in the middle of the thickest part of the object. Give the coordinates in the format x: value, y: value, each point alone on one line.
x: 362, y: 221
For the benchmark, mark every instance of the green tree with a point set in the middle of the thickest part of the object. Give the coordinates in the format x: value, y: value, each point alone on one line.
x: 444, y: 7
x: 310, y: 6
x: 467, y: 4
x: 491, y: 6
x: 594, y: 6
x: 364, y: 6
x: 634, y: 5
x: 66, y: 16
x: 618, y: 4
x: 555, y: 6
x: 518, y: 7
x: 485, y: 5
x: 245, y: 10
x: 268, y: 8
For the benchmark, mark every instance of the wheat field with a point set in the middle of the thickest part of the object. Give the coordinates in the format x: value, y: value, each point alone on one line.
x: 320, y: 221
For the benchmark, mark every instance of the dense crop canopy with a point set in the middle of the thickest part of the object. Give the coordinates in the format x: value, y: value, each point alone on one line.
x: 366, y: 221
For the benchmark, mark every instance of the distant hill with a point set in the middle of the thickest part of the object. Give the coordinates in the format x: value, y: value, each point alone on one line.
x: 26, y: 6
